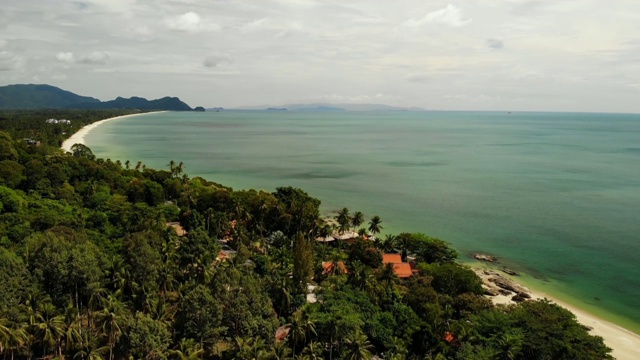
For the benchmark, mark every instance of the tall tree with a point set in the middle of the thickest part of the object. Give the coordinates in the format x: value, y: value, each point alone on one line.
x: 112, y: 322
x: 344, y: 219
x: 302, y: 264
x: 357, y: 219
x: 357, y: 347
x: 374, y: 225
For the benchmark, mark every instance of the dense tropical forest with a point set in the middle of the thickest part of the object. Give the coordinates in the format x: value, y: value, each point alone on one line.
x: 103, y: 259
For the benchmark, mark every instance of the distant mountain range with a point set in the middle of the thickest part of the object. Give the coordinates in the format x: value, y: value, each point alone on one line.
x: 332, y: 107
x: 50, y: 97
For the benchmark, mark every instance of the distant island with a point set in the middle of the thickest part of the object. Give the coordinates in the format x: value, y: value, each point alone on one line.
x: 277, y: 109
x: 23, y: 96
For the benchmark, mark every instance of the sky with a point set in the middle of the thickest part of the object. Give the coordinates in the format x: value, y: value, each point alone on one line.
x: 515, y: 55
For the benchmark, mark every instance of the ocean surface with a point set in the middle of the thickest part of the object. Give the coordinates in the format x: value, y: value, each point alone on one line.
x: 554, y: 195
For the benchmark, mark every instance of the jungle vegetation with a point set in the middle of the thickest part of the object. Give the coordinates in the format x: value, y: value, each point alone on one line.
x: 90, y: 270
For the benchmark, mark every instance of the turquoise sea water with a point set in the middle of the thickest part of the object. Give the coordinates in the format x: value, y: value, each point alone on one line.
x: 556, y: 195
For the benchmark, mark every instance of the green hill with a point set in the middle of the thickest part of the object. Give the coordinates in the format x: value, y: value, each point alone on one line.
x: 40, y: 97
x: 166, y: 103
x: 50, y: 97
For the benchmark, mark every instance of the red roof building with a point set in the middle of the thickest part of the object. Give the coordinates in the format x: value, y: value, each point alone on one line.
x: 328, y: 267
x: 391, y: 258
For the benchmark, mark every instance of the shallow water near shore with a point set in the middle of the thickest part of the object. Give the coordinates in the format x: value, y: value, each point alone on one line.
x: 554, y: 195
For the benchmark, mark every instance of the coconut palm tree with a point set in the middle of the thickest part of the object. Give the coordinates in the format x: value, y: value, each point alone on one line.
x: 280, y: 351
x: 357, y: 346
x: 179, y: 169
x: 387, y: 276
x: 49, y: 327
x: 344, y: 220
x: 251, y: 348
x: 359, y: 276
x: 313, y: 351
x: 127, y: 164
x: 5, y: 334
x: 188, y: 349
x: 357, y: 219
x: 172, y: 168
x: 139, y: 166
x: 374, y: 225
x: 88, y: 350
x: 389, y: 244
x: 13, y: 336
x: 300, y: 329
x: 111, y: 321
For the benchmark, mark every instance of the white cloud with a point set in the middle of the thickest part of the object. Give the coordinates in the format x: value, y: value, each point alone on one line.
x: 65, y: 57
x: 190, y: 22
x: 449, y: 16
x: 96, y: 57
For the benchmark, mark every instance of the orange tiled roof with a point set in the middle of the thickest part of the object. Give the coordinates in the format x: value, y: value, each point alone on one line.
x: 391, y: 258
x: 328, y: 267
x: 402, y: 270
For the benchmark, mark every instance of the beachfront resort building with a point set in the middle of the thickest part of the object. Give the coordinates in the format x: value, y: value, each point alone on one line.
x: 61, y: 121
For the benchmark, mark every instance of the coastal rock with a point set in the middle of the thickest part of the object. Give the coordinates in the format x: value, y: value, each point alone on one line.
x: 524, y: 295
x: 586, y: 327
x: 508, y: 285
x: 490, y: 291
x: 509, y: 271
x: 490, y: 273
x: 484, y: 257
x: 504, y: 292
x: 518, y: 298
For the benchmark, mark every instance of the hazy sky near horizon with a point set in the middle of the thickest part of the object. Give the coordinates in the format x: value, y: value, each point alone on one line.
x: 544, y: 55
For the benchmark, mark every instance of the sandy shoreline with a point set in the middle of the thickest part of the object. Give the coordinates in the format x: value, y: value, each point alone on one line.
x: 625, y: 344
x: 78, y: 137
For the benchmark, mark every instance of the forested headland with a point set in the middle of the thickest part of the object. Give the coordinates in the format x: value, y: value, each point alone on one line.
x: 103, y: 259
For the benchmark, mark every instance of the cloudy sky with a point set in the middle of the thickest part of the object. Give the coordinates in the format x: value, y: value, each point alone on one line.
x: 547, y: 55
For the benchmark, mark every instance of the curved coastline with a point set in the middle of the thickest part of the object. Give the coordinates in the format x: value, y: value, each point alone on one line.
x: 625, y: 343
x: 78, y: 137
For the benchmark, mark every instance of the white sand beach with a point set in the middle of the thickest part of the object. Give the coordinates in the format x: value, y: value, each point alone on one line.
x: 78, y: 137
x: 625, y: 344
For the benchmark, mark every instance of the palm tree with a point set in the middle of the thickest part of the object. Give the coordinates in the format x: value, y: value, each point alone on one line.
x: 300, y: 329
x: 374, y: 225
x: 389, y: 244
x: 138, y: 165
x: 127, y: 164
x: 13, y: 336
x: 88, y: 350
x: 49, y: 327
x: 251, y: 348
x: 359, y: 276
x: 313, y: 351
x: 5, y: 334
x: 280, y: 351
x: 387, y: 276
x: 357, y: 346
x: 188, y: 350
x: 344, y: 220
x: 179, y: 169
x: 404, y: 242
x: 172, y: 168
x: 111, y: 321
x: 357, y: 219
